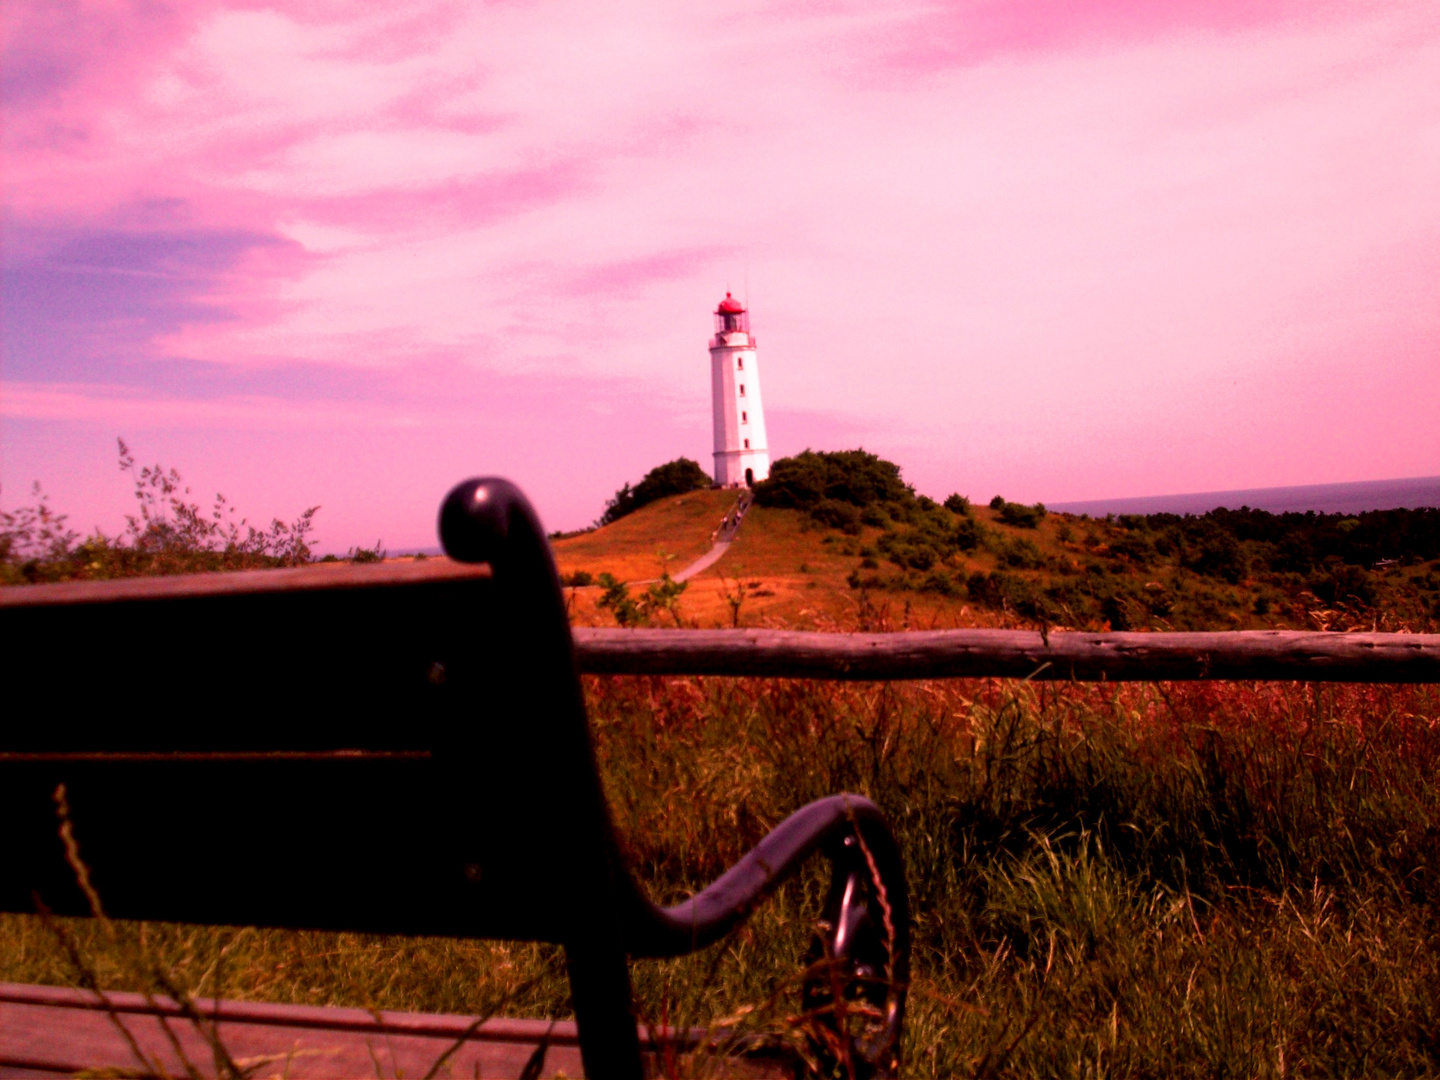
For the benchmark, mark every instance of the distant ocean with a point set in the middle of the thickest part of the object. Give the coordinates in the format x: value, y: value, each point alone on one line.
x: 1322, y: 498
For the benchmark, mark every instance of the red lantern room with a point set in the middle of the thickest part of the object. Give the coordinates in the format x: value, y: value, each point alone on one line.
x: 731, y: 316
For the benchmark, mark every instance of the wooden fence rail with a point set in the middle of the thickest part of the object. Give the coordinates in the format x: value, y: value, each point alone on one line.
x: 942, y: 654
x: 938, y: 654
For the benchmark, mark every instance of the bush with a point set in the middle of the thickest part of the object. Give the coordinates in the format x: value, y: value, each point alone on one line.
x: 1021, y: 554
x: 359, y: 554
x: 850, y: 476
x: 968, y: 534
x: 678, y: 477
x: 1293, y: 554
x: 1134, y: 546
x: 1020, y: 515
x: 939, y: 582
x: 618, y: 601
x: 1219, y: 556
x: 838, y: 515
x: 958, y: 504
x: 1341, y: 583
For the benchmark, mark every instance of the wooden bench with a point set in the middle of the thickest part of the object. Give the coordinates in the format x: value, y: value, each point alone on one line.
x: 397, y: 749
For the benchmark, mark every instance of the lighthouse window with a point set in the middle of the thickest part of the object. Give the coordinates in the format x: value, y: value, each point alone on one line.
x: 740, y: 362
x: 742, y: 389
x: 747, y: 444
x: 744, y: 418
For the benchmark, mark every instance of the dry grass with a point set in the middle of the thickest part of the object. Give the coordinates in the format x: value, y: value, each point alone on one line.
x: 674, y: 530
x: 796, y: 573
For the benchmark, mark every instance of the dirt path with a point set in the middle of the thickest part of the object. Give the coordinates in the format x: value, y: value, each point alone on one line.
x: 723, y: 537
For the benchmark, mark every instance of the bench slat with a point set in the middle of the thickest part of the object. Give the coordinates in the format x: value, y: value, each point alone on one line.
x: 49, y: 1031
x: 317, y: 576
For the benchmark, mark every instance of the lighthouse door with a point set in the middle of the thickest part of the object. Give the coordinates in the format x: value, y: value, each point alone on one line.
x: 749, y: 477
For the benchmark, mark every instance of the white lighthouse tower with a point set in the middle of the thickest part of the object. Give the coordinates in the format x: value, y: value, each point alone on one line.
x: 742, y: 456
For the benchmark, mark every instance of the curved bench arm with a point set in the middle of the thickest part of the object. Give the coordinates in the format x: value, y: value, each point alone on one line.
x: 728, y: 901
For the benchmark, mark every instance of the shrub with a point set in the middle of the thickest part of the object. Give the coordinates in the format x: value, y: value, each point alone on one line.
x: 958, y: 504
x: 1219, y: 556
x: 618, y: 601
x: 1341, y: 583
x: 850, y: 476
x: 939, y: 582
x: 838, y: 515
x: 968, y: 534
x: 678, y: 477
x: 1134, y: 546
x: 1293, y: 554
x: 663, y: 595
x: 359, y: 554
x: 1021, y: 554
x: 1018, y: 514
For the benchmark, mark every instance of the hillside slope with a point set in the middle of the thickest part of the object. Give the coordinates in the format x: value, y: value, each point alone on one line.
x: 787, y: 569
x: 666, y: 535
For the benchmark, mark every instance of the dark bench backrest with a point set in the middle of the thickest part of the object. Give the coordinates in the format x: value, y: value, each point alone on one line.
x: 397, y: 748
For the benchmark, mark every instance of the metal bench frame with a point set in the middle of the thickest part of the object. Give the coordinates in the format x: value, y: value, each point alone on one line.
x: 395, y: 749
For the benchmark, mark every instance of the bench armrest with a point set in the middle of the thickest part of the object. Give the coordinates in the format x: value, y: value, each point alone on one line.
x: 728, y: 901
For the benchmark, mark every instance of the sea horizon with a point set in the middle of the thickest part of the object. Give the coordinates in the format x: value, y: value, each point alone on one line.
x: 1353, y: 497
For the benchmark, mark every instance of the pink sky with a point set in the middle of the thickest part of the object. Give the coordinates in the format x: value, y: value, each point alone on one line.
x: 1049, y: 249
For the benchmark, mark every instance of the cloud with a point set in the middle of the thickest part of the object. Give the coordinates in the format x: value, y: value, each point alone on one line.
x: 75, y: 298
x: 965, y: 34
x: 1050, y: 246
x: 49, y: 48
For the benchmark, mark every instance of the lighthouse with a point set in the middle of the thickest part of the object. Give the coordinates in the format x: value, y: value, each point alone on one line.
x: 742, y: 456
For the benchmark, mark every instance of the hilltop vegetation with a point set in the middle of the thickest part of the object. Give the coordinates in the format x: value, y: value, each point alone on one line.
x: 678, y: 477
x: 836, y: 536
x: 1207, y: 571
x: 844, y: 489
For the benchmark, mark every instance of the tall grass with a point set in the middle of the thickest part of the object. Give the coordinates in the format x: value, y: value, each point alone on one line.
x: 1201, y: 879
x: 168, y: 534
x: 1198, y: 879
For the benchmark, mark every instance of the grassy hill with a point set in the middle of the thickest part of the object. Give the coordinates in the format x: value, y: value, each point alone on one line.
x: 667, y: 534
x: 787, y: 568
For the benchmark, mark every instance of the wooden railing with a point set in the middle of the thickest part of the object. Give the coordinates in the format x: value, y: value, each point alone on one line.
x: 1020, y: 654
